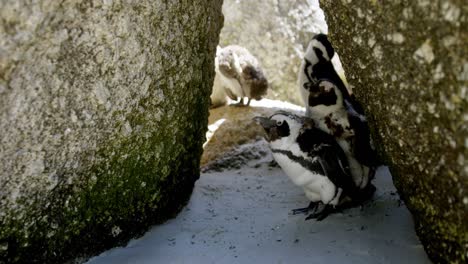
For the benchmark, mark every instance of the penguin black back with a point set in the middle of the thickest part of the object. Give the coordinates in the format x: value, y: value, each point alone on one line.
x: 317, y: 143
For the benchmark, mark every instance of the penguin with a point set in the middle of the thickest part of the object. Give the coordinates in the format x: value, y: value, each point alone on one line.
x: 238, y: 75
x: 322, y: 62
x: 314, y: 161
x: 335, y: 110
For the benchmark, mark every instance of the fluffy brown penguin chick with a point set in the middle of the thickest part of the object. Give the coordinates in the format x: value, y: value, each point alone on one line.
x: 238, y: 75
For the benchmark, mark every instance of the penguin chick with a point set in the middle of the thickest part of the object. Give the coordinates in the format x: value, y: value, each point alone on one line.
x: 240, y: 74
x: 314, y: 161
x: 336, y: 112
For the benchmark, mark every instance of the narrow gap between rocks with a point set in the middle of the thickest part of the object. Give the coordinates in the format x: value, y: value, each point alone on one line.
x: 239, y: 210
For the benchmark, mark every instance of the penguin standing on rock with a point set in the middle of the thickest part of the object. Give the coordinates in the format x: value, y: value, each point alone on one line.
x: 329, y: 103
x: 238, y: 75
x: 314, y: 161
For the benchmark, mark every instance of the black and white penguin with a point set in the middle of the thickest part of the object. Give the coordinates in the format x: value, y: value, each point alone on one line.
x: 322, y: 62
x: 329, y: 103
x: 238, y: 75
x: 314, y: 161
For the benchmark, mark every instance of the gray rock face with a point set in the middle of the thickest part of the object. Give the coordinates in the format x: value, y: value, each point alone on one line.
x: 103, y: 110
x: 276, y: 32
x: 407, y: 61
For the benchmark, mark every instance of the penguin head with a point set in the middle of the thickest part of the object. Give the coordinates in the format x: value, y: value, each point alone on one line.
x: 319, y: 49
x: 227, y: 62
x: 317, y: 59
x: 281, y: 126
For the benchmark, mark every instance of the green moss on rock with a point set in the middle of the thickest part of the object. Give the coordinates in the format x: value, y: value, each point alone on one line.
x: 103, y: 113
x: 407, y: 63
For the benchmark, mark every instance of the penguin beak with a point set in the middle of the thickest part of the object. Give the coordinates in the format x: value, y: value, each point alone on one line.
x: 267, y: 125
x: 265, y: 122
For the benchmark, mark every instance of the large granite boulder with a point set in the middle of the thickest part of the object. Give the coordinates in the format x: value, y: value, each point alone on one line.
x: 407, y: 61
x: 103, y: 113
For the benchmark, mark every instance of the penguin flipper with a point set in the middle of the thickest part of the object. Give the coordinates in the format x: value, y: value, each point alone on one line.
x: 363, y: 151
x: 335, y: 166
x: 331, y: 157
x: 354, y: 109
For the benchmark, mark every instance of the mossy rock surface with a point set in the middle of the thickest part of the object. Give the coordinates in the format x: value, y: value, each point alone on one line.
x: 103, y: 113
x: 407, y: 63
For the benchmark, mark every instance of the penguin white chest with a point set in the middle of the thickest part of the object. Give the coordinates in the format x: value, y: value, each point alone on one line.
x: 316, y: 187
x: 232, y: 84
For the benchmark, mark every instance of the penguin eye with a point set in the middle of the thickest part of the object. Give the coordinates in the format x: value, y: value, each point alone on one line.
x: 279, y: 123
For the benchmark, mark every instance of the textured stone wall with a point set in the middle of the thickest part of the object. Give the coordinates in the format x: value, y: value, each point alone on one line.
x: 407, y: 61
x: 103, y: 110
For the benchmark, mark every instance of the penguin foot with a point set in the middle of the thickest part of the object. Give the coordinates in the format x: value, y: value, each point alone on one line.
x: 311, y: 207
x: 370, y: 190
x: 322, y: 214
x: 366, y: 193
x: 240, y: 103
x: 359, y: 199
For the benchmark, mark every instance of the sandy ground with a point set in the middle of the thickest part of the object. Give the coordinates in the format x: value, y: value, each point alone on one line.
x: 242, y: 216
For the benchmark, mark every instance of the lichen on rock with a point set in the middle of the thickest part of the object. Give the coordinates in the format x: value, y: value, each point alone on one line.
x: 406, y: 61
x: 103, y: 110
